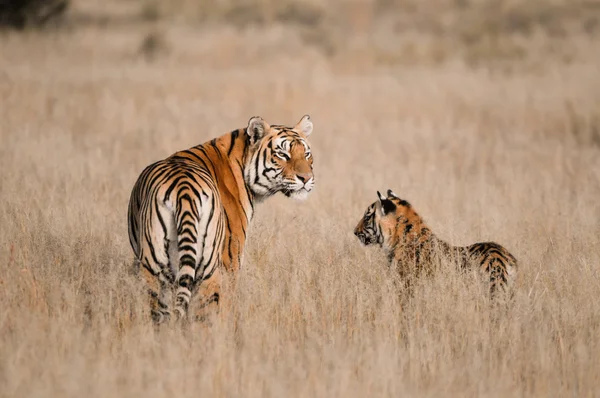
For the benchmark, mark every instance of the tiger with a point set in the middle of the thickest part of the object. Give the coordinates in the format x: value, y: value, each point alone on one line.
x: 189, y: 214
x: 411, y: 247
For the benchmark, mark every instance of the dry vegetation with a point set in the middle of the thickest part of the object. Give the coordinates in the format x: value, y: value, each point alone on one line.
x: 510, y: 154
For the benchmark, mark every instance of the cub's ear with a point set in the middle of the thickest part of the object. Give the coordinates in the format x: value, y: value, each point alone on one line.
x: 304, y: 126
x: 387, y: 206
x: 257, y: 128
x: 391, y: 194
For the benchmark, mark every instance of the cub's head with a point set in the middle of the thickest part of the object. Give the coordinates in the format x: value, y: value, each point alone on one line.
x: 382, y: 218
x: 279, y: 158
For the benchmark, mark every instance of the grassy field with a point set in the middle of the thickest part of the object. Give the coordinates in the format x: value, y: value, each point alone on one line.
x: 483, y: 152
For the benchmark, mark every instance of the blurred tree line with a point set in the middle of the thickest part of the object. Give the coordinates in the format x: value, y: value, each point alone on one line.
x: 21, y: 14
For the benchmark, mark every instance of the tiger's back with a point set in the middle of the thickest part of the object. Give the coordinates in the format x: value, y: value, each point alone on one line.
x: 164, y: 190
x: 177, y: 222
x: 494, y: 259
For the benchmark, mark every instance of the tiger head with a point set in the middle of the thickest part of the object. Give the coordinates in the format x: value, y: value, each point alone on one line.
x: 279, y: 158
x: 383, y: 217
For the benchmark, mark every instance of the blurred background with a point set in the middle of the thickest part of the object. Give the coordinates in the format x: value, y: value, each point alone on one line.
x: 369, y: 32
x: 484, y: 114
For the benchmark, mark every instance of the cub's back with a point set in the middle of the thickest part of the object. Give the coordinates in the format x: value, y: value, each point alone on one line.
x: 493, y: 258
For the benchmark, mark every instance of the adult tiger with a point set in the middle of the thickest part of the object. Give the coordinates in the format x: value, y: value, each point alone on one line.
x: 188, y: 214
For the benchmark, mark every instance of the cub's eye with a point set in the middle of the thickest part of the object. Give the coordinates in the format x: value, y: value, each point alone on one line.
x: 282, y: 156
x: 308, y: 155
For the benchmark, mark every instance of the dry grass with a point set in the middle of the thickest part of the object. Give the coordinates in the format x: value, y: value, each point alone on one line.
x: 513, y: 157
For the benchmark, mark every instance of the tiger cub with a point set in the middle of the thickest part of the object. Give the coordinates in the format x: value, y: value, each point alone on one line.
x: 393, y: 224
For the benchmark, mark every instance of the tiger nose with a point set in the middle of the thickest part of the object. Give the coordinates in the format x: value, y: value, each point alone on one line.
x: 304, y: 177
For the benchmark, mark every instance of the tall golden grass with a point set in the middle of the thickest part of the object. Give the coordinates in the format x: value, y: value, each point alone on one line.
x: 483, y: 154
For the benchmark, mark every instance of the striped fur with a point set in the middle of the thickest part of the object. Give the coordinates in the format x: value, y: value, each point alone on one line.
x: 411, y: 247
x: 189, y: 213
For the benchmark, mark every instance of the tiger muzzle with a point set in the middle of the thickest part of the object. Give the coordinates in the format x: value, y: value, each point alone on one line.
x: 361, y: 236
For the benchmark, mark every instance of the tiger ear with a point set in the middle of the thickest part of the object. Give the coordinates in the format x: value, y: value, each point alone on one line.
x: 257, y: 128
x: 391, y: 193
x: 386, y: 205
x: 304, y: 126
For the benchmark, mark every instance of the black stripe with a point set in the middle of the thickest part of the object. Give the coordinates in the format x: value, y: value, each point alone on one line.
x: 187, y: 248
x: 185, y: 281
x: 187, y: 239
x: 234, y: 135
x: 230, y: 237
x: 188, y: 260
